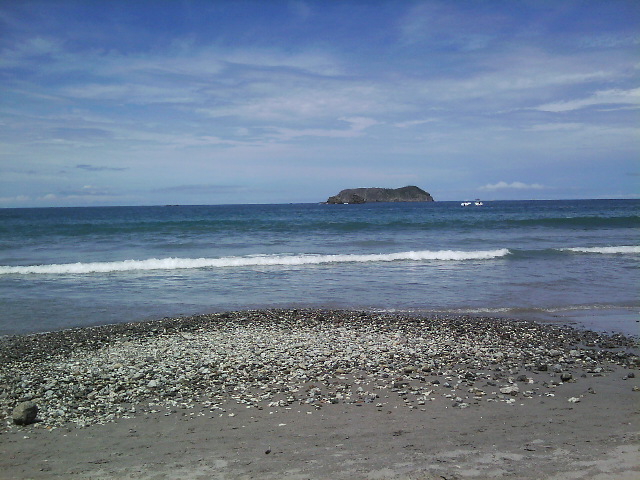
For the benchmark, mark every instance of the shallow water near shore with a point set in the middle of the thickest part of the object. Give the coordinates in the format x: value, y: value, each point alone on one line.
x: 560, y: 261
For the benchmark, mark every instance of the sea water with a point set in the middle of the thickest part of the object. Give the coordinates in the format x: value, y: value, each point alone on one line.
x: 565, y: 261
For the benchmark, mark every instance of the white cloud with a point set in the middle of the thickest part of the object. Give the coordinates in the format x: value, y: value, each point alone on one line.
x: 26, y: 52
x: 86, y: 193
x: 502, y: 185
x: 413, y: 123
x: 308, y: 61
x: 552, y: 127
x: 357, y: 126
x: 131, y: 93
x: 360, y: 123
x: 602, y: 97
x: 296, y: 99
x: 16, y: 199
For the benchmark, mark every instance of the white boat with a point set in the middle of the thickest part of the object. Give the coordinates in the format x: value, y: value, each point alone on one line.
x: 478, y: 203
x: 465, y: 204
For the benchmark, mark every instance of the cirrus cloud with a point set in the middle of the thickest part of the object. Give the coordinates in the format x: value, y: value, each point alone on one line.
x: 623, y: 99
x: 502, y: 185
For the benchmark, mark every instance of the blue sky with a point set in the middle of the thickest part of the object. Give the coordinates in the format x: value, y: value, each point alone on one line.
x: 213, y: 102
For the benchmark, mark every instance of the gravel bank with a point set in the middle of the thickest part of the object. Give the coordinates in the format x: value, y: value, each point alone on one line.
x: 279, y: 358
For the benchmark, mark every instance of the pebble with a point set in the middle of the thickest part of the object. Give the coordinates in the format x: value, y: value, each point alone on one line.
x: 281, y: 358
x: 510, y: 390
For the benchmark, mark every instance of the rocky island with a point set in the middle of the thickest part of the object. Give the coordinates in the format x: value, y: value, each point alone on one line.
x: 365, y: 195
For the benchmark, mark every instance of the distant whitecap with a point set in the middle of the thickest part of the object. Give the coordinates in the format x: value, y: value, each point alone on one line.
x: 606, y: 250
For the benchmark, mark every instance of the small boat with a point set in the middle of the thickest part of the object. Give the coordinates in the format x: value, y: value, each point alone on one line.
x: 465, y: 204
x: 478, y: 203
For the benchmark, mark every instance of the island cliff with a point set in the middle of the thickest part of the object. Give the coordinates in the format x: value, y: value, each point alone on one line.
x: 365, y: 195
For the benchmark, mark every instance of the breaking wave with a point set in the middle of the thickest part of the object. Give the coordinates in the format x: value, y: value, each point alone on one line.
x: 249, y: 261
x: 606, y: 250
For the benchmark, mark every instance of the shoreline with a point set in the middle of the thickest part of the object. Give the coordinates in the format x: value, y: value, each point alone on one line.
x: 278, y: 374
x: 609, y: 319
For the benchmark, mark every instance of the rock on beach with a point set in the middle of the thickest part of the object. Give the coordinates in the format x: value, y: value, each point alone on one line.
x: 25, y: 413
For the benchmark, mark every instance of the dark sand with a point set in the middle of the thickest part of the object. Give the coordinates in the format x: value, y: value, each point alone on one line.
x: 546, y: 436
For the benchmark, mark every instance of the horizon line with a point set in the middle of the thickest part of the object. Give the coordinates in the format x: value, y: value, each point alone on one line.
x: 168, y: 205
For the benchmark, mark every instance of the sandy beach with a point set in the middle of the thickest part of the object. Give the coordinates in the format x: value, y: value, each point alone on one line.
x: 315, y: 394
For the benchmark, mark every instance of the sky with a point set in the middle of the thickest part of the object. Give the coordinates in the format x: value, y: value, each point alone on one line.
x: 226, y: 102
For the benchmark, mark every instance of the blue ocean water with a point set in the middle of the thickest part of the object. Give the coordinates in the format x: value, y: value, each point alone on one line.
x: 565, y: 261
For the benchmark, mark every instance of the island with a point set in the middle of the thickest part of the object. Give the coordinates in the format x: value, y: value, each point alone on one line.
x: 366, y: 195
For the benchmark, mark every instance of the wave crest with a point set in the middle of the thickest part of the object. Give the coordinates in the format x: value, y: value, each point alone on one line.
x: 606, y: 250
x: 250, y: 261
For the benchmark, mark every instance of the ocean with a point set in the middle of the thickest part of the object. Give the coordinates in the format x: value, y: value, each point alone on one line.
x: 570, y: 261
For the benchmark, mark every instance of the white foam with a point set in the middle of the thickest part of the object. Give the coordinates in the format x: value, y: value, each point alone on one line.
x: 607, y: 250
x: 249, y: 261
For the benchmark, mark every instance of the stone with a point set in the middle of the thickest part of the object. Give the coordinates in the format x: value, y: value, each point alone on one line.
x: 510, y: 390
x: 25, y: 413
x: 566, y: 376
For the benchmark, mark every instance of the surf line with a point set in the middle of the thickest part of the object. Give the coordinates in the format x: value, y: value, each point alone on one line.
x: 251, y: 261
